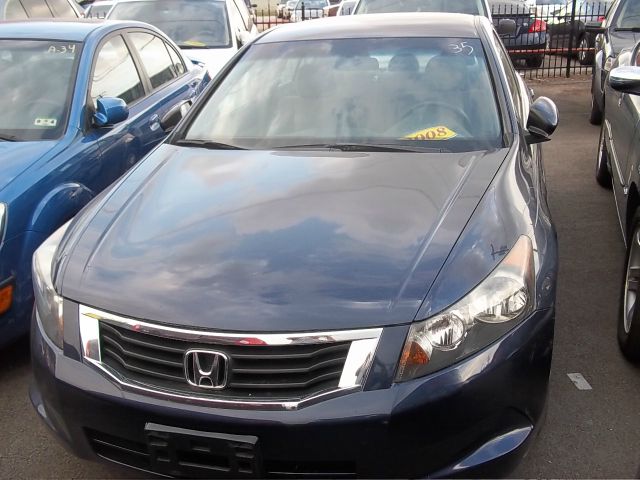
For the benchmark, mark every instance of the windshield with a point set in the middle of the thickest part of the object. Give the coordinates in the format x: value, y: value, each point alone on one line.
x: 629, y: 16
x: 472, y: 7
x: 37, y: 79
x: 412, y: 92
x: 191, y: 24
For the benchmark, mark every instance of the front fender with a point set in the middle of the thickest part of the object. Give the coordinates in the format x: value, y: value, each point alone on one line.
x: 58, y: 206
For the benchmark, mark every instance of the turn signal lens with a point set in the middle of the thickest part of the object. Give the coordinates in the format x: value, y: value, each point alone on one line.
x: 490, y: 310
x: 6, y: 298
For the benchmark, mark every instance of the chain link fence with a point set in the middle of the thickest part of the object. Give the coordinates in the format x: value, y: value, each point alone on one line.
x: 551, y: 38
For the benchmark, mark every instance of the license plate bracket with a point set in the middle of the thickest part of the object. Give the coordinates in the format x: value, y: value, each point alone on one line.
x: 196, y: 454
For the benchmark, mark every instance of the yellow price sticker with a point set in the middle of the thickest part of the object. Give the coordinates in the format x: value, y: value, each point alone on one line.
x: 194, y: 43
x: 432, y: 133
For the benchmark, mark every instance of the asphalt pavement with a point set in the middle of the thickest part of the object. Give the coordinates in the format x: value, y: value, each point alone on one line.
x: 590, y: 433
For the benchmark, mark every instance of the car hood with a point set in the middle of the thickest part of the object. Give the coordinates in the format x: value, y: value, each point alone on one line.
x: 274, y: 241
x: 622, y: 40
x: 213, y: 58
x: 16, y: 157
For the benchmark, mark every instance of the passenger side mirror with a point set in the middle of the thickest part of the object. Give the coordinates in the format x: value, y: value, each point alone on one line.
x: 172, y: 118
x: 542, y: 121
x: 110, y: 111
x: 244, y: 37
x: 625, y: 80
x: 506, y: 26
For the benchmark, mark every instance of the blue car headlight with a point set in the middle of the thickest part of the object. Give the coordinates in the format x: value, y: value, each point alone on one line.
x: 48, y: 302
x: 491, y: 309
x: 3, y: 220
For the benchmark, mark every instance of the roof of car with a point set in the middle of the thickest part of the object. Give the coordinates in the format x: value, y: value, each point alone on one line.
x: 65, y: 30
x: 377, y: 25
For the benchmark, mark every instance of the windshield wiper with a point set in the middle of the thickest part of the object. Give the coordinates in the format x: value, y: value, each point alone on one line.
x: 8, y: 138
x: 627, y: 29
x: 366, y: 147
x: 208, y: 144
x: 191, y: 47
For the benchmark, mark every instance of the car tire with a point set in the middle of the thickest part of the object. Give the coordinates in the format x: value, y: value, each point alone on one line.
x: 603, y: 174
x: 629, y: 314
x: 585, y: 57
x: 535, y: 62
x: 595, y: 117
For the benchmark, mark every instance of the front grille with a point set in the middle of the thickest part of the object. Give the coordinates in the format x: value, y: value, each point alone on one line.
x: 284, y: 372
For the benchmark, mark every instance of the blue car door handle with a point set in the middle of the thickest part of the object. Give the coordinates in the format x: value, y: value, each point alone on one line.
x: 154, y: 122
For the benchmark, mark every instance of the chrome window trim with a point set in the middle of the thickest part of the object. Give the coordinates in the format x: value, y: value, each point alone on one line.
x: 362, y: 350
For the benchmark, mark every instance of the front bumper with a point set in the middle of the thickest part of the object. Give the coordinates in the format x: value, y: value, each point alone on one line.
x: 472, y: 419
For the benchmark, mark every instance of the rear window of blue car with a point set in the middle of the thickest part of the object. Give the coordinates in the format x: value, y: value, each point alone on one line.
x: 37, y: 78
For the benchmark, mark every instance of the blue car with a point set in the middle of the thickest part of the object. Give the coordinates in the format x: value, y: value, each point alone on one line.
x: 82, y: 102
x: 316, y: 285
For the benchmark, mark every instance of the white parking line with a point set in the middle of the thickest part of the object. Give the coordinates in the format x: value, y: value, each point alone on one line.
x: 579, y: 381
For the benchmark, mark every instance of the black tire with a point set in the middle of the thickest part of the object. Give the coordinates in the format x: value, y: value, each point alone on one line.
x: 535, y: 62
x: 595, y: 117
x: 629, y: 332
x: 603, y: 172
x: 585, y: 57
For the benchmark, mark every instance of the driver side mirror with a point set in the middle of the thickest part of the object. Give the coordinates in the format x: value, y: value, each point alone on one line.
x: 506, y: 26
x: 170, y: 119
x: 625, y: 80
x: 243, y: 37
x: 110, y: 111
x: 542, y: 121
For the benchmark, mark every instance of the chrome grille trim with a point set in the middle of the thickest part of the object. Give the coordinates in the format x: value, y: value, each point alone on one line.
x: 360, y: 357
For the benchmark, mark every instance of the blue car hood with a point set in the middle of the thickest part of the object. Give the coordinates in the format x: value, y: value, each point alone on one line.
x: 16, y: 157
x: 274, y: 241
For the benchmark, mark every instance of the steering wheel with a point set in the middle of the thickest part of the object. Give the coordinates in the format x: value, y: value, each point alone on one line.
x: 440, y: 105
x: 209, y: 33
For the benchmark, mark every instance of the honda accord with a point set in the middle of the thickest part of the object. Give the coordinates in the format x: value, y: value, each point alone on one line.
x: 335, y: 282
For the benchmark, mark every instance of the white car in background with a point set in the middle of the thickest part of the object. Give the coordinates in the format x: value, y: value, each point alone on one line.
x: 98, y: 9
x: 312, y: 9
x: 471, y: 7
x: 547, y: 8
x: 209, y: 32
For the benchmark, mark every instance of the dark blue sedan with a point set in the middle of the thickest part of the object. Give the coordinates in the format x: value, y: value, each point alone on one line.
x: 337, y: 282
x: 81, y: 103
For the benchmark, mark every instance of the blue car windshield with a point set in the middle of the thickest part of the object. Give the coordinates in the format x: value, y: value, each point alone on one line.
x: 37, y: 79
x: 189, y: 23
x: 408, y: 92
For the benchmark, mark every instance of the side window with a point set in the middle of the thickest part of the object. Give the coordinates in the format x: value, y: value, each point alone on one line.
x: 178, y: 64
x: 115, y: 74
x: 62, y: 9
x: 14, y: 11
x: 512, y: 79
x: 37, y: 9
x: 155, y: 58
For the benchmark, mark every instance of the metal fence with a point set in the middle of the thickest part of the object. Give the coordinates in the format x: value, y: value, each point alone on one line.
x: 550, y: 40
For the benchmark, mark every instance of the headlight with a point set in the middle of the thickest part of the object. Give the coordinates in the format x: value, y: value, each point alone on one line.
x: 489, y: 311
x: 48, y: 302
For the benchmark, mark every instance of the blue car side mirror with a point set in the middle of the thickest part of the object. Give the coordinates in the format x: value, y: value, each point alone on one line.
x: 110, y: 111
